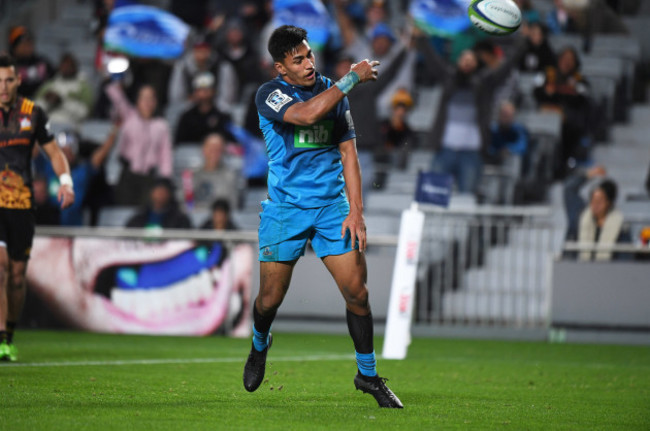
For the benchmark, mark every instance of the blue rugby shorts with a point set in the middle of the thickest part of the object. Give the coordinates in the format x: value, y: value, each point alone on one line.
x: 284, y: 231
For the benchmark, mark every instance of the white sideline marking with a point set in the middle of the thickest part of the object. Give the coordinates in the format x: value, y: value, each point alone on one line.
x: 178, y: 361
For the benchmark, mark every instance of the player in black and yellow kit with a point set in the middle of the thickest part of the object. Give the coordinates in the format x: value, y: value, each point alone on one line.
x: 22, y: 125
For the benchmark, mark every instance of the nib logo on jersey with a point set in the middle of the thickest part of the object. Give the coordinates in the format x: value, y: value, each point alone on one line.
x: 314, y: 136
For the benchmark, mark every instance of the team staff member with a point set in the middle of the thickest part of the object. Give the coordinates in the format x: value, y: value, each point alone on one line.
x: 22, y: 124
x: 314, y: 188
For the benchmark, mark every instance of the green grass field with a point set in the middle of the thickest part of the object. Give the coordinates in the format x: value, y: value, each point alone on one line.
x: 81, y: 381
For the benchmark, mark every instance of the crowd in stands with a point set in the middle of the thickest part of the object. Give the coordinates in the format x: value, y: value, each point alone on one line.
x: 195, y: 101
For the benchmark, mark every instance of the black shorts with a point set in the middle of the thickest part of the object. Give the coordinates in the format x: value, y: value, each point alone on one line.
x: 17, y: 232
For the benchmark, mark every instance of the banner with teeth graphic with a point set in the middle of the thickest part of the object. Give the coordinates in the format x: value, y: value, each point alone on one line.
x: 132, y: 286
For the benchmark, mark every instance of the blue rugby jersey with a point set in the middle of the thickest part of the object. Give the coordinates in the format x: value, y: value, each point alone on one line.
x: 305, y: 166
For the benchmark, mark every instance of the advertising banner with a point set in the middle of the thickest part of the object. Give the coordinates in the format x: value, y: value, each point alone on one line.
x: 145, y: 287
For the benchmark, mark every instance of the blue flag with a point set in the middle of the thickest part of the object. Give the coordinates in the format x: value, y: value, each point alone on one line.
x: 308, y: 14
x: 145, y: 31
x: 433, y: 188
x: 443, y: 18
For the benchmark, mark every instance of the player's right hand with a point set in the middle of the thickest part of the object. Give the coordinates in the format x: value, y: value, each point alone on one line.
x: 366, y: 70
x: 66, y: 196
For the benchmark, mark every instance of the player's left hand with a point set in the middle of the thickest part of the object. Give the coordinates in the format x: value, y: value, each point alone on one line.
x: 65, y: 196
x: 355, y: 223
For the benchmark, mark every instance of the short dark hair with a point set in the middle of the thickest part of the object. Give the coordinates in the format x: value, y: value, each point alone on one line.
x: 285, y: 39
x: 222, y: 205
x: 610, y: 189
x: 6, y: 60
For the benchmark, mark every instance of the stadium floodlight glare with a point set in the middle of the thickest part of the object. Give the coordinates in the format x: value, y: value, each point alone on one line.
x: 117, y: 65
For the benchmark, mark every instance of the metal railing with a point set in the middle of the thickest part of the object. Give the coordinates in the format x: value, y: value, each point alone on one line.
x: 486, y: 266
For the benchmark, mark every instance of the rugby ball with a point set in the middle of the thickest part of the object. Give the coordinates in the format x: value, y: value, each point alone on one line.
x: 496, y: 17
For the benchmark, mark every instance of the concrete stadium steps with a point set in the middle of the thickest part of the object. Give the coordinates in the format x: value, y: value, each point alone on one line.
x: 495, y: 308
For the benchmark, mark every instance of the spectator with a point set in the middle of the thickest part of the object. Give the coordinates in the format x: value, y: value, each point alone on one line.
x: 144, y: 146
x: 461, y: 132
x: 529, y: 14
x: 67, y: 97
x: 202, y: 117
x: 585, y: 17
x: 202, y: 58
x: 508, y: 149
x: 221, y: 218
x: 539, y: 55
x: 82, y: 171
x: 46, y: 213
x: 509, y: 138
x: 566, y: 91
x: 162, y: 211
x: 373, y: 38
x: 397, y: 134
x: 598, y: 222
x: 215, y: 179
x: 236, y: 48
x: 32, y: 68
x: 363, y: 102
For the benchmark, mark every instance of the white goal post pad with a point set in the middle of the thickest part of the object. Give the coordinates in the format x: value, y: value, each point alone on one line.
x: 402, y: 291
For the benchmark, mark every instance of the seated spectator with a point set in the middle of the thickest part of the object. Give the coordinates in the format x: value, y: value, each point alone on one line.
x: 67, y: 97
x: 144, y: 146
x: 162, y: 211
x: 508, y: 140
x: 215, y: 179
x: 82, y: 172
x: 539, y: 55
x: 559, y: 20
x: 398, y: 136
x: 236, y: 48
x: 32, y: 68
x: 46, y: 213
x: 220, y: 219
x: 508, y: 150
x: 202, y: 58
x: 566, y: 91
x: 203, y: 117
x: 598, y: 221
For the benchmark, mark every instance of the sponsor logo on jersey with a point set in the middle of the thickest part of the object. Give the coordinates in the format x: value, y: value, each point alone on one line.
x: 314, y: 136
x: 277, y: 99
x: 25, y: 124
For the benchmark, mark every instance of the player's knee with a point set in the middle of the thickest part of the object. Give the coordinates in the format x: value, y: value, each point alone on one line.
x: 358, y: 297
x: 268, y: 303
x: 17, y: 280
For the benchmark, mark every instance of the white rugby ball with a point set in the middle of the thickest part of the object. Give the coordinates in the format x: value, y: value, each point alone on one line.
x: 496, y: 17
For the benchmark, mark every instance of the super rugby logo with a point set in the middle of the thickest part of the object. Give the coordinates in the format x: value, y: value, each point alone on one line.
x: 277, y: 99
x: 314, y: 136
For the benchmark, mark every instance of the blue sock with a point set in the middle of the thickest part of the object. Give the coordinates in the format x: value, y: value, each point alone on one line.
x: 367, y: 364
x: 260, y: 339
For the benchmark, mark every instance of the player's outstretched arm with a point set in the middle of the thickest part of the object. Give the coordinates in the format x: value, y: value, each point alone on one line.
x: 62, y: 169
x: 313, y: 110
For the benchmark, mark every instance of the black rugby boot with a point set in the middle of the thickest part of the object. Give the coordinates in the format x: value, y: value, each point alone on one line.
x: 376, y: 386
x: 255, y: 367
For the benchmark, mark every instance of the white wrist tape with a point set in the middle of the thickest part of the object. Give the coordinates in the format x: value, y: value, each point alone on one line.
x: 65, y: 180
